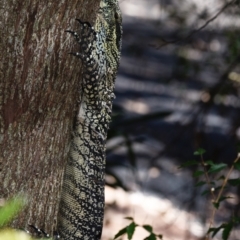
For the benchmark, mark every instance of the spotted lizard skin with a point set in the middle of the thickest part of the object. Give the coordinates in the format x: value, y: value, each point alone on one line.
x: 82, y: 201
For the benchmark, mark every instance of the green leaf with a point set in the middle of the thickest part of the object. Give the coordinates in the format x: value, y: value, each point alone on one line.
x: 129, y: 218
x: 200, y: 183
x: 227, y: 230
x: 130, y: 230
x: 160, y: 236
x: 209, y: 162
x: 12, y: 234
x: 236, y: 220
x: 188, y: 163
x: 200, y: 151
x: 237, y: 166
x: 217, y: 167
x: 121, y: 232
x: 215, y: 230
x: 148, y: 228
x: 152, y: 236
x: 222, y: 177
x: 205, y: 192
x: 216, y: 204
x: 234, y: 181
x: 224, y: 197
x: 198, y: 173
x: 10, y: 210
x: 213, y: 183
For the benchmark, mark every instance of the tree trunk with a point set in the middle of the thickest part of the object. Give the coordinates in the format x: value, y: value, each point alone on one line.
x: 39, y: 85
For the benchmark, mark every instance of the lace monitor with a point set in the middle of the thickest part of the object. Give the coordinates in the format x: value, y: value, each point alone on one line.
x: 82, y: 201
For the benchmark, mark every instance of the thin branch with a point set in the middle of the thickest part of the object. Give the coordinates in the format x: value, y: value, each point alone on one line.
x: 166, y: 42
x: 220, y: 193
x: 207, y: 176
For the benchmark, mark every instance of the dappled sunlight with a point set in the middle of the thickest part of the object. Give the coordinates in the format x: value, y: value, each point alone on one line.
x: 136, y: 107
x: 222, y: 124
x: 142, y: 9
x: 234, y: 76
x: 191, y: 54
x: 173, y: 65
x: 159, y: 212
x: 155, y: 10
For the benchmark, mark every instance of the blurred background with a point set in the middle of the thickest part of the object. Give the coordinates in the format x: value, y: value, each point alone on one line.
x: 177, y: 90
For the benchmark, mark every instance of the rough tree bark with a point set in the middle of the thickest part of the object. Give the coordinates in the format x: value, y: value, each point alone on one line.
x: 38, y: 91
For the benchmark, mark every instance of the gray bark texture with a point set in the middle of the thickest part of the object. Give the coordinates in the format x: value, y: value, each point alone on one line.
x: 39, y: 83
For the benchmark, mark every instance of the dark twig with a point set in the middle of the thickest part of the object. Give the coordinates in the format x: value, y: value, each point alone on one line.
x: 166, y: 42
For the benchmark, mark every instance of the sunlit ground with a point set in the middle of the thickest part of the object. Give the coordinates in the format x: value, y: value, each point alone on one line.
x: 160, y: 213
x: 176, y: 78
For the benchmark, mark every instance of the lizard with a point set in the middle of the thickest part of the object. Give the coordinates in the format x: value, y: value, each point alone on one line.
x: 81, y: 207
